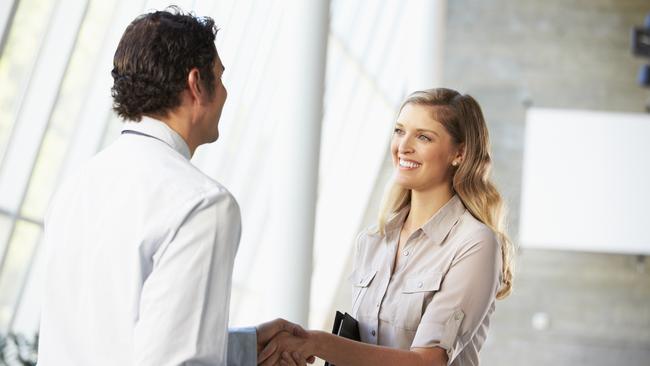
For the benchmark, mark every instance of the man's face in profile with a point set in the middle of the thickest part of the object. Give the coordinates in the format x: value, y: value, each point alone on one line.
x: 216, y: 103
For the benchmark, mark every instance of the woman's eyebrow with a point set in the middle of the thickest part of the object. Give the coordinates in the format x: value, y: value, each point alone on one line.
x: 397, y: 124
x: 425, y: 130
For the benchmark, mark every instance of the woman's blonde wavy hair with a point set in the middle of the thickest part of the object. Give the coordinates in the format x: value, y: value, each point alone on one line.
x: 462, y: 118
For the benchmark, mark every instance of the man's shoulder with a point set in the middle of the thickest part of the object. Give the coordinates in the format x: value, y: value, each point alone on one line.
x: 156, y: 164
x: 150, y: 173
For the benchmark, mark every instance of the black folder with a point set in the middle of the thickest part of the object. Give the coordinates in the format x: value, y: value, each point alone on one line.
x: 345, y: 326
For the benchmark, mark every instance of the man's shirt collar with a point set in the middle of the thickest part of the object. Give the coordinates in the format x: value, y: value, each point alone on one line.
x: 161, y: 131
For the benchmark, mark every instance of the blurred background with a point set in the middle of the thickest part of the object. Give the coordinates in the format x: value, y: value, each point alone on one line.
x: 563, y: 89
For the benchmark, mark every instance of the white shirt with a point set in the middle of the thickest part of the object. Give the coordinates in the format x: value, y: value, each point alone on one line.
x: 139, y: 253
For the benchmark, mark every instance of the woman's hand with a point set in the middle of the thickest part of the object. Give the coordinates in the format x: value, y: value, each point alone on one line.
x: 288, y: 350
x: 267, y: 331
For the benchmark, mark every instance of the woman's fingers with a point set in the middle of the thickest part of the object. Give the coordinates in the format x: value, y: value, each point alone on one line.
x: 274, y: 359
x: 299, y: 359
x: 284, y: 349
x: 267, y: 352
x: 288, y: 360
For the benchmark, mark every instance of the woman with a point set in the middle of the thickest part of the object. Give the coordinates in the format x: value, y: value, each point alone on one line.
x: 426, y: 278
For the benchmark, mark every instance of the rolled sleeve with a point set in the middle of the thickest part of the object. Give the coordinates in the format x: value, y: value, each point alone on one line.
x: 461, y: 305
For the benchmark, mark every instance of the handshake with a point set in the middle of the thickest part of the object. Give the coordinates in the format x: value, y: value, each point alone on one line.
x: 280, y: 342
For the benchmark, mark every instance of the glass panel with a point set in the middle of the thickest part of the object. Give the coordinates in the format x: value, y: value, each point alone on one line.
x: 113, y: 129
x: 26, y: 320
x: 38, y: 101
x: 67, y: 109
x: 7, y: 10
x: 5, y: 230
x: 17, y: 60
x: 12, y: 276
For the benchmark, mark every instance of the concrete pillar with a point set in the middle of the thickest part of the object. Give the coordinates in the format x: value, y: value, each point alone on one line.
x: 427, y: 43
x: 296, y: 155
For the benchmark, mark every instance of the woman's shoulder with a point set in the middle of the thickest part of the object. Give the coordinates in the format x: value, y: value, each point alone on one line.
x: 369, y: 236
x: 470, y: 231
x: 371, y: 231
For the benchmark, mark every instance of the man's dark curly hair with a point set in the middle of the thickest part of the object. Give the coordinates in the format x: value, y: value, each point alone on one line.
x: 154, y: 57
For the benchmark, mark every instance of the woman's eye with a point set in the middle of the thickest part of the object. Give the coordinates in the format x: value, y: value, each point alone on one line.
x: 398, y: 131
x: 424, y: 138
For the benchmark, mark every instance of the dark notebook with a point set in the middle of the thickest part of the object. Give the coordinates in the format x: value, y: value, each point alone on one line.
x: 345, y: 326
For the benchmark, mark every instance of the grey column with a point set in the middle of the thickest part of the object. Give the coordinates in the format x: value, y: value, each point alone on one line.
x: 427, y: 43
x: 296, y: 155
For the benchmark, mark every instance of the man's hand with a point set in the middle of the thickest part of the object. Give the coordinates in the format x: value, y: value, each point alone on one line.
x: 267, y: 331
x: 288, y: 350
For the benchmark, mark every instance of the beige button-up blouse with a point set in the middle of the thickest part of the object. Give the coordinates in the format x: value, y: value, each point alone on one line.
x: 443, y: 291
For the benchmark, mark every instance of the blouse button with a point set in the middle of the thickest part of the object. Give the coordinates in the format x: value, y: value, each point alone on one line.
x: 406, y: 253
x: 420, y: 284
x: 373, y: 333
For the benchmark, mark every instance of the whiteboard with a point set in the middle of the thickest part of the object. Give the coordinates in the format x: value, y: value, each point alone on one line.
x: 586, y: 181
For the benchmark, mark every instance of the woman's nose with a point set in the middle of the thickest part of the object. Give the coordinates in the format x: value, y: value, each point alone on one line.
x: 405, y: 145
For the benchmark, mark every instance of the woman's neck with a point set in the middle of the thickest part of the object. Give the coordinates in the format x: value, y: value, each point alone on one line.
x: 425, y: 204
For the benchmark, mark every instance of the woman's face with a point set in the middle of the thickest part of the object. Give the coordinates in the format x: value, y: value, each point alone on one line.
x: 422, y: 150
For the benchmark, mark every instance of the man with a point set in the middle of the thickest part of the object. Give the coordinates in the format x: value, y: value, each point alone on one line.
x: 140, y: 244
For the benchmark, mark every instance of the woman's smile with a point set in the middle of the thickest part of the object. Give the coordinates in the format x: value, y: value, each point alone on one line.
x: 405, y: 164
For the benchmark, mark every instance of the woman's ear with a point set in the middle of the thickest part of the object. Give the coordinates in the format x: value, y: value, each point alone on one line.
x: 460, y: 154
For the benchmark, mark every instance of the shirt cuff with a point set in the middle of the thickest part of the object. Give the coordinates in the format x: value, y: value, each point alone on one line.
x: 445, y: 336
x: 242, y: 346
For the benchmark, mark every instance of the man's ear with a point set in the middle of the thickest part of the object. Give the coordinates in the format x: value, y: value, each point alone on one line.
x: 194, y: 85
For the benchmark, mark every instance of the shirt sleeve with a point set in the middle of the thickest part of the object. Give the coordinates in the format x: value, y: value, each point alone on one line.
x: 358, y: 251
x: 466, y: 294
x: 184, y: 302
x: 242, y: 346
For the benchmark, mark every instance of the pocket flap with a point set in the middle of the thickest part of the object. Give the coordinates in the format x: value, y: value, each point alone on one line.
x: 361, y: 279
x: 423, y: 283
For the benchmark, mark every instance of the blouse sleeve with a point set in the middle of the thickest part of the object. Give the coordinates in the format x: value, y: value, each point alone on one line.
x: 466, y: 294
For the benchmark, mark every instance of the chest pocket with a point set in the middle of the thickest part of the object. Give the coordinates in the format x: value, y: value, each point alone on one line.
x: 360, y: 282
x: 417, y: 293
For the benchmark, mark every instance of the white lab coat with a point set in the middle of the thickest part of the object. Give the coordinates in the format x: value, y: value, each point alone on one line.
x: 139, y: 250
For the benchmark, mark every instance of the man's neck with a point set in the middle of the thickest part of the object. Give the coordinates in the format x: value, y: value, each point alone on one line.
x: 181, y: 126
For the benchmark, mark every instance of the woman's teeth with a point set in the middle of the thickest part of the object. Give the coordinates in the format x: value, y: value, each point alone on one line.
x: 408, y: 164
